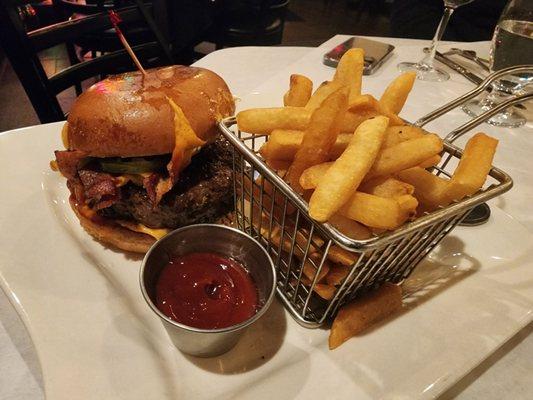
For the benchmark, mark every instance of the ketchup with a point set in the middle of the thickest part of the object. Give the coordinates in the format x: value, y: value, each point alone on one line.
x: 206, y: 290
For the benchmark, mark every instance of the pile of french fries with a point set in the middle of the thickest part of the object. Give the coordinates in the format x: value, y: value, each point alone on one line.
x: 359, y: 165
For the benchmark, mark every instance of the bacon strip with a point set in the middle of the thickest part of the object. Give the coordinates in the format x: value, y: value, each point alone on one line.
x: 68, y: 162
x: 99, y: 188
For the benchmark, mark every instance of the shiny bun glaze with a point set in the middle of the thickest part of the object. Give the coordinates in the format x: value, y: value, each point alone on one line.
x: 128, y: 115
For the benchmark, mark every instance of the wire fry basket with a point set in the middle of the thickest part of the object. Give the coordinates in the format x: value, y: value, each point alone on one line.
x: 304, y: 250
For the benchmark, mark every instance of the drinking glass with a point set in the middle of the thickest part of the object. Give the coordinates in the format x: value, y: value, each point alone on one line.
x: 512, y: 45
x: 424, y: 68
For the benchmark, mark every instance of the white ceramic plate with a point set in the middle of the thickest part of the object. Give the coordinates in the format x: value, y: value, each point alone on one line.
x: 96, y: 339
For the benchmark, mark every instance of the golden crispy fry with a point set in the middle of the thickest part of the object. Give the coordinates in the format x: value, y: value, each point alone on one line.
x: 431, y: 161
x: 430, y: 190
x: 309, y: 270
x: 340, y: 145
x: 269, y: 195
x: 398, y: 134
x: 386, y: 187
x: 280, y: 166
x: 474, y: 166
x: 311, y: 176
x: 344, y: 176
x: 325, y: 291
x: 355, y: 317
x: 405, y: 155
x: 379, y: 212
x: 360, y: 109
x: 339, y: 255
x: 259, y: 121
x: 301, y: 240
x: 319, y: 137
x: 349, y: 227
x: 283, y: 144
x: 300, y: 89
x: 394, y: 97
x: 349, y: 72
x: 336, y: 274
x: 363, y: 102
x: 323, y: 91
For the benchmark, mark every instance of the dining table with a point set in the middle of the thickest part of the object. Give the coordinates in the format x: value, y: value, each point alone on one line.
x: 33, y: 355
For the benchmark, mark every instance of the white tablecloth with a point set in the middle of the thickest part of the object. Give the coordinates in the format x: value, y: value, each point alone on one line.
x: 506, y: 374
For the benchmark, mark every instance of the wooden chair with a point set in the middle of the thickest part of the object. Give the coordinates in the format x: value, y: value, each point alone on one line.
x: 22, y: 49
x: 249, y: 23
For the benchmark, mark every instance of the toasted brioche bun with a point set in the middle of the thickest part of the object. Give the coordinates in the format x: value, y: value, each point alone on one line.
x: 128, y: 115
x: 113, y: 234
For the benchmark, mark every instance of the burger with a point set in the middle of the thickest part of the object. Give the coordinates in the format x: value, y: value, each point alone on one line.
x: 143, y: 155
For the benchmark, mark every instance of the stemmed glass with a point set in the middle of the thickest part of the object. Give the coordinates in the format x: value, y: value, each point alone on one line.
x: 512, y: 45
x: 424, y: 68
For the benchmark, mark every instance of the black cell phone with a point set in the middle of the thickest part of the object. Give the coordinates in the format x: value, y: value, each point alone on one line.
x: 375, y: 53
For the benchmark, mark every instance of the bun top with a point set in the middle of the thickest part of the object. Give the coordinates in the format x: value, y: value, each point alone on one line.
x: 129, y: 115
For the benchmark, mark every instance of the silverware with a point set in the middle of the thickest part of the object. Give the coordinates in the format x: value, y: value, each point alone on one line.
x: 456, y: 67
x: 469, y: 55
x: 468, y: 74
x: 223, y: 240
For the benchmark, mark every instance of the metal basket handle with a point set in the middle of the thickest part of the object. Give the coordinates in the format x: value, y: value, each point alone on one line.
x: 456, y: 133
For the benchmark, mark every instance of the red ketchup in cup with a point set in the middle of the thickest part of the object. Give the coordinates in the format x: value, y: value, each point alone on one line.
x: 206, y: 291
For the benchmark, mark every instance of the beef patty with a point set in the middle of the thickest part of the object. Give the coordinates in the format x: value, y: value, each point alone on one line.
x: 203, y: 193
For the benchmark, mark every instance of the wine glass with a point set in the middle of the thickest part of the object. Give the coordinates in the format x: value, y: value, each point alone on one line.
x: 512, y: 45
x: 424, y: 68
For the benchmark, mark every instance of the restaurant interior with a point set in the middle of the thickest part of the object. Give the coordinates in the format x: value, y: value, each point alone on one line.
x: 369, y: 164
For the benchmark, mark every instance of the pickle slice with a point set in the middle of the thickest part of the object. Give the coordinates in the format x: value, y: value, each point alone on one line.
x: 136, y: 165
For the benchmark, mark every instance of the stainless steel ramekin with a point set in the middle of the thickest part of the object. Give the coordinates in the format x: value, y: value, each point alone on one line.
x: 223, y: 240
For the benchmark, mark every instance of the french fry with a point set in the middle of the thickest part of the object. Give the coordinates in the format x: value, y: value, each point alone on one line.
x: 260, y: 121
x: 405, y: 155
x: 430, y: 190
x: 474, y: 166
x: 344, y: 176
x: 398, y: 134
x: 431, y: 161
x: 325, y: 291
x: 361, y: 108
x: 319, y: 137
x: 312, y: 175
x: 359, y: 315
x: 300, y: 90
x: 394, y: 97
x: 390, y: 160
x: 349, y: 72
x: 309, y: 270
x: 278, y: 165
x: 301, y: 240
x: 386, y: 187
x: 379, y: 212
x: 323, y: 91
x: 283, y: 144
x: 337, y: 273
x: 349, y: 227
x: 339, y: 255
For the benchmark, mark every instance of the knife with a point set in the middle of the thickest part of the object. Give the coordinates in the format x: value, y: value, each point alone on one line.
x: 463, y: 71
x: 456, y: 67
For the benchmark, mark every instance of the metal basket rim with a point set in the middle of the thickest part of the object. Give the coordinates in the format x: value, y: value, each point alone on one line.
x: 330, y: 232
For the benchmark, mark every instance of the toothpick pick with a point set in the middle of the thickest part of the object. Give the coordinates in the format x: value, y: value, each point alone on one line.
x: 115, y: 20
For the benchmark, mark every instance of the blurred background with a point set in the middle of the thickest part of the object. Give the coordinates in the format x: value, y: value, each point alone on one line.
x: 52, y: 50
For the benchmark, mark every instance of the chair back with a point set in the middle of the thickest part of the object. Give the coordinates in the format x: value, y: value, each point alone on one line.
x: 22, y: 49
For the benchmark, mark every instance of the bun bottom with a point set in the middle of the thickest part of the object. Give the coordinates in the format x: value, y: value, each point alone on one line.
x: 123, y: 238
x: 115, y: 235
